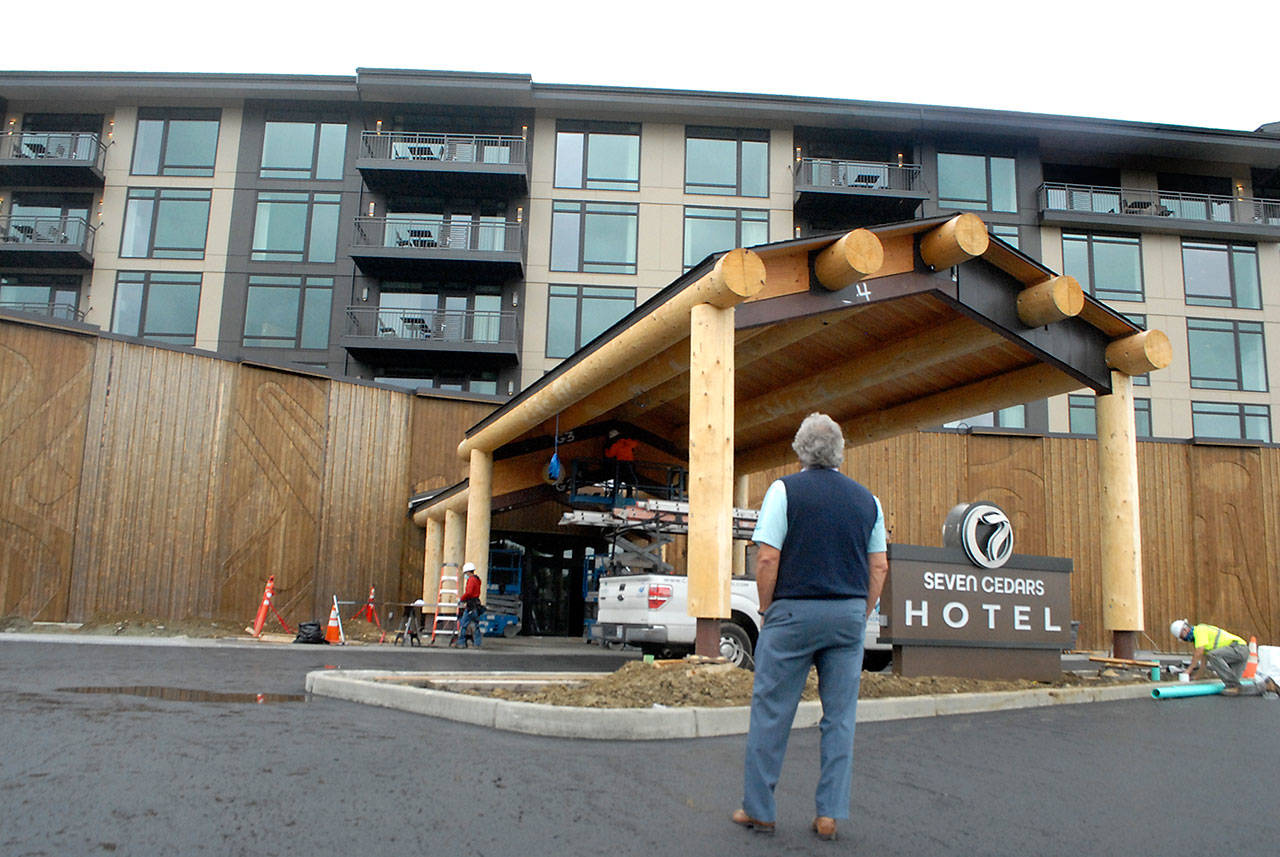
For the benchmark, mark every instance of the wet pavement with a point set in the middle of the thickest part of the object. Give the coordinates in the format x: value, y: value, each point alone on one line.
x: 142, y: 773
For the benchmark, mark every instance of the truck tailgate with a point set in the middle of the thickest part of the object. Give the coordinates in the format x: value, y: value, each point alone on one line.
x: 625, y: 600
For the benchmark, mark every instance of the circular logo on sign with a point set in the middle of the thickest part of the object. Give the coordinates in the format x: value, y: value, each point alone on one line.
x: 987, y: 535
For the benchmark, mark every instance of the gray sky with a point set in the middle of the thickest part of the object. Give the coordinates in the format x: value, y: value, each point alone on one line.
x: 1144, y: 61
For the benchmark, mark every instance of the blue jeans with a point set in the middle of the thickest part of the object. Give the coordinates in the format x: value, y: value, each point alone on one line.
x: 797, y: 633
x: 468, y: 617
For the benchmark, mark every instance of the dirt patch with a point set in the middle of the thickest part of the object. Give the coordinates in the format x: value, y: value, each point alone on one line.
x: 641, y: 685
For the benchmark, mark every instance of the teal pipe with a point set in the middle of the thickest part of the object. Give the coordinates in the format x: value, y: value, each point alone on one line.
x: 1195, y: 688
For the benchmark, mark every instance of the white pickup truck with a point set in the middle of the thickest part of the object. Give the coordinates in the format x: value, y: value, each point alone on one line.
x: 651, y: 611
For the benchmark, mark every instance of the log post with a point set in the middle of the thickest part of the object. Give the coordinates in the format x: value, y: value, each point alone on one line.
x: 960, y: 239
x: 455, y: 541
x: 434, y: 557
x: 479, y: 507
x: 710, y: 553
x: 1055, y: 299
x: 1121, y: 536
x: 856, y: 256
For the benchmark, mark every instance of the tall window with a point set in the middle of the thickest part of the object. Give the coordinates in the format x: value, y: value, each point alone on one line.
x: 1226, y: 355
x: 296, y: 227
x: 727, y: 161
x: 303, y: 150
x: 165, y: 223
x: 594, y: 237
x: 978, y: 182
x: 175, y: 142
x: 1231, y: 421
x: 159, y: 305
x: 710, y: 230
x: 1216, y: 274
x: 578, y: 314
x: 1109, y: 267
x: 598, y: 155
x: 288, y: 312
x: 1083, y: 414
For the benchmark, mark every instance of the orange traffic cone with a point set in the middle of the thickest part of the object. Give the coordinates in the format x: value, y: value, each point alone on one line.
x: 1251, y: 666
x: 333, y: 634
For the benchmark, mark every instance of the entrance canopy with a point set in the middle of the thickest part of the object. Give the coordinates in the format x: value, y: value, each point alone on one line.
x: 888, y: 329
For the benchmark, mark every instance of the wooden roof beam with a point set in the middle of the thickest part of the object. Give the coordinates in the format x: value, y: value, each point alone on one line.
x: 1141, y: 353
x: 1054, y: 300
x: 856, y: 256
x: 960, y: 239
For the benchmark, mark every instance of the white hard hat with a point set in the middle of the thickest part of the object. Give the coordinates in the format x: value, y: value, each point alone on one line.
x: 468, y: 566
x: 1178, y: 627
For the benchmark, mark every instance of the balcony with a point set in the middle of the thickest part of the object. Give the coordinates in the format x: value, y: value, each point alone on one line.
x: 45, y: 242
x: 1192, y: 214
x: 429, y: 163
x: 51, y: 159
x: 837, y: 192
x: 438, y: 247
x: 57, y: 311
x: 378, y: 334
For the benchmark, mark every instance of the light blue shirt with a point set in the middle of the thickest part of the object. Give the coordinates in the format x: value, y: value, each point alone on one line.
x: 771, y: 526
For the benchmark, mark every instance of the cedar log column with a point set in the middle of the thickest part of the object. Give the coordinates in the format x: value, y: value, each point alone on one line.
x: 711, y: 483
x: 431, y: 563
x: 1121, y: 535
x: 455, y: 540
x: 479, y: 506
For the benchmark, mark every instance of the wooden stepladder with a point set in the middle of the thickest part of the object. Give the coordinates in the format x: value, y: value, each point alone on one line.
x: 446, y: 607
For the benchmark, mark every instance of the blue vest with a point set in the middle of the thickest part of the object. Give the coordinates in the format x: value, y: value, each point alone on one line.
x: 829, y: 523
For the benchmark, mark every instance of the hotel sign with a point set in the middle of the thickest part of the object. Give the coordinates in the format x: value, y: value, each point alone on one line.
x: 975, y: 608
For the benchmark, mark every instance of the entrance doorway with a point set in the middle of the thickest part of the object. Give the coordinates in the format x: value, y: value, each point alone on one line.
x: 553, y: 593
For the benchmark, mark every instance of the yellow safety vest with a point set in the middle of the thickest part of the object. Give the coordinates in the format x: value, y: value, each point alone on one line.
x: 1210, y: 637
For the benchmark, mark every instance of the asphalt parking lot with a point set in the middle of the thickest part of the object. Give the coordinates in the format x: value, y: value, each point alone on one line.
x: 121, y: 773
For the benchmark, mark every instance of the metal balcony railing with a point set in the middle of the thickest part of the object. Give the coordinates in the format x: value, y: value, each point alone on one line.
x: 64, y: 312
x: 472, y: 327
x: 59, y: 231
x: 53, y: 145
x: 438, y: 233
x: 869, y: 175
x: 1057, y: 196
x: 447, y: 148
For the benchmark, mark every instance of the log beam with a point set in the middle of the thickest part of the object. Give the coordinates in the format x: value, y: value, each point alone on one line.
x: 479, y: 508
x: 1121, y: 534
x: 1141, y: 353
x: 1054, y: 300
x: 737, y: 275
x: 960, y: 239
x: 711, y: 485
x: 856, y: 256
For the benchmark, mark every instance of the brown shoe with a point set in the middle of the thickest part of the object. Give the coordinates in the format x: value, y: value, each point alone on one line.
x: 824, y: 828
x: 740, y: 817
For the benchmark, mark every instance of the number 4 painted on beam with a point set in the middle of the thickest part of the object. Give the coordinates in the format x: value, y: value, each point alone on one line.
x: 863, y: 292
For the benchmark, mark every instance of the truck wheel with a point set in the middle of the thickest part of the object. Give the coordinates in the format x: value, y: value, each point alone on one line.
x: 735, y: 645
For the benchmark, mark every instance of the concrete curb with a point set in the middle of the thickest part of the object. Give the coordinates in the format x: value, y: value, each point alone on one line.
x: 387, y: 689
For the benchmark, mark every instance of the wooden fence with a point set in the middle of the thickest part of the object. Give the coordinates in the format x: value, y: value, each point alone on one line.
x: 157, y: 481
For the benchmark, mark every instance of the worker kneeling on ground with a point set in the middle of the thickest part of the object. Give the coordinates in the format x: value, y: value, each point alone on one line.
x: 1224, y: 653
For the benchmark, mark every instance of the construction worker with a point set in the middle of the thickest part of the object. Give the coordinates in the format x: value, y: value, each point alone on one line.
x: 469, y: 605
x: 1224, y: 653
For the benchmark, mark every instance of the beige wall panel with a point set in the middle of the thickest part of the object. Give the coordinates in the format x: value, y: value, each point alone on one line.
x: 45, y: 381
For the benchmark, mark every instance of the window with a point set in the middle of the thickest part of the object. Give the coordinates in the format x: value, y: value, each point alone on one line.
x: 288, y: 312
x: 1014, y: 417
x: 1231, y: 421
x: 709, y: 230
x: 1109, y: 267
x: 1221, y: 274
x: 485, y: 383
x: 157, y: 305
x: 303, y: 150
x: 1226, y: 355
x: 49, y: 218
x: 165, y: 223
x: 594, y: 237
x: 598, y: 156
x: 456, y: 230
x: 43, y: 294
x: 406, y: 311
x: 175, y: 143
x: 977, y: 182
x: 578, y: 314
x: 1007, y: 234
x: 726, y: 161
x: 1082, y: 412
x: 296, y: 227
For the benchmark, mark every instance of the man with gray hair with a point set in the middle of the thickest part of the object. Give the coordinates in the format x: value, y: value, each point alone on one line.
x: 820, y: 566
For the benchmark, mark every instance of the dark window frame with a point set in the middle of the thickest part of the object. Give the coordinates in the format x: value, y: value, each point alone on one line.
x: 577, y: 297
x: 735, y: 135
x: 165, y: 115
x: 257, y: 254
x: 1242, y: 414
x: 304, y: 285
x: 582, y: 209
x: 1113, y: 238
x: 737, y: 227
x: 317, y: 137
x: 1230, y: 248
x: 972, y: 204
x: 1216, y: 325
x: 587, y: 129
x: 147, y: 280
x: 157, y: 195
